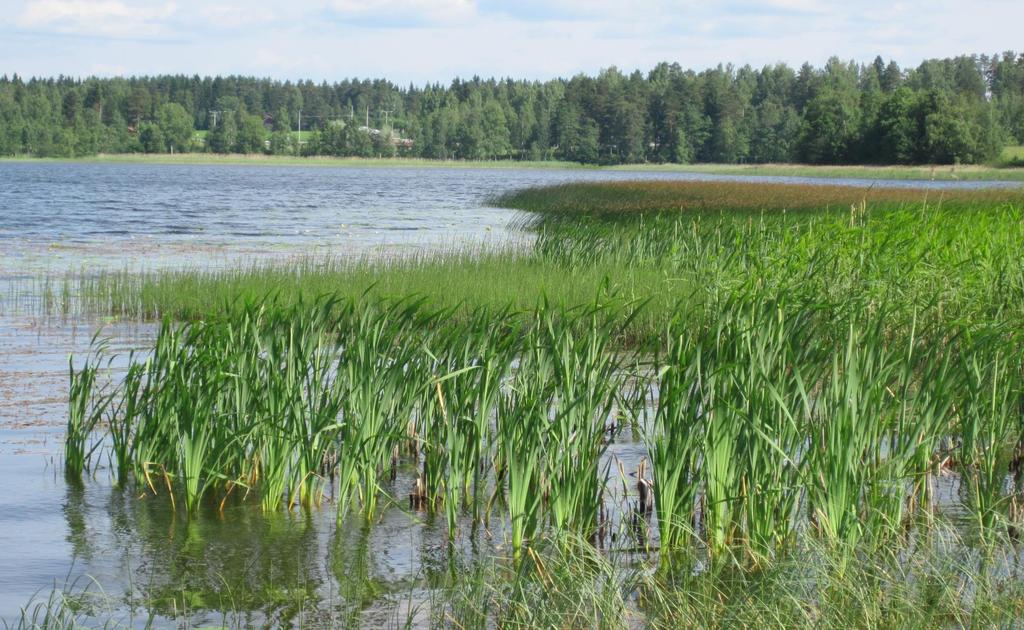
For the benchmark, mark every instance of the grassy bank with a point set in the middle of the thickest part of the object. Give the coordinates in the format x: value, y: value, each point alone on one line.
x: 1008, y: 168
x: 1003, y: 171
x: 285, y: 160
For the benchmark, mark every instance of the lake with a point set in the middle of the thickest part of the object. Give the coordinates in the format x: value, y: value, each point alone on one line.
x: 58, y: 218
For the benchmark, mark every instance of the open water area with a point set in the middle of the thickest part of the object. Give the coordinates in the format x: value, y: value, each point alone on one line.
x: 58, y: 219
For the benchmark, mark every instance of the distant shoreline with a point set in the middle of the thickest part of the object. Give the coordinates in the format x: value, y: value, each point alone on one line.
x: 239, y: 159
x: 921, y: 172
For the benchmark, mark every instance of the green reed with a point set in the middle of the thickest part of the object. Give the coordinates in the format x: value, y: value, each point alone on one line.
x: 809, y: 370
x: 455, y: 430
x: 990, y: 417
x: 86, y: 406
x: 379, y: 345
x: 522, y: 419
x: 771, y: 406
x: 586, y: 379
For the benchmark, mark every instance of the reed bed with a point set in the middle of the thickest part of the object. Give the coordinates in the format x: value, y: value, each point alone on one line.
x: 943, y: 255
x: 773, y: 420
x: 495, y: 278
x: 631, y: 197
x: 798, y: 374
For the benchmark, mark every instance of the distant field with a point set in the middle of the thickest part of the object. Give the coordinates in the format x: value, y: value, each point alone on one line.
x: 1010, y: 168
x: 285, y: 160
x: 924, y: 172
x: 637, y: 198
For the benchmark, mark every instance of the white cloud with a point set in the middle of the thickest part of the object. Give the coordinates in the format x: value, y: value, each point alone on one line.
x: 805, y: 6
x: 386, y: 13
x: 399, y: 5
x: 568, y: 11
x: 108, y: 70
x: 95, y: 17
x: 237, y: 15
x: 441, y: 39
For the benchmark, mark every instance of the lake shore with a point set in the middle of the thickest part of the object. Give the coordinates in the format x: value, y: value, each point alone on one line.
x: 898, y: 301
x: 944, y: 172
x: 237, y: 159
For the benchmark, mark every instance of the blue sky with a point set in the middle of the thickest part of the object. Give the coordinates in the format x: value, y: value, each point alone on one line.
x: 435, y: 40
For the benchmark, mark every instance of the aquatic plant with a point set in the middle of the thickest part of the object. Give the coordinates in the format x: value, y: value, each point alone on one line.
x: 804, y: 369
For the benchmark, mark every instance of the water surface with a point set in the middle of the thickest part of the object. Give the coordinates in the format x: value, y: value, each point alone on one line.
x: 57, y: 218
x: 78, y: 216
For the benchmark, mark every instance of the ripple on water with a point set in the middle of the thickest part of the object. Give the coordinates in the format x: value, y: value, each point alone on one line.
x: 56, y: 217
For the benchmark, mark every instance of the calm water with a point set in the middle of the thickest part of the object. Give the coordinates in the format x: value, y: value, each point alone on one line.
x: 56, y: 218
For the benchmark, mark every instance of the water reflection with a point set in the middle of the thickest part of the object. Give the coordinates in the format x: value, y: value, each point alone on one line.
x: 241, y: 561
x: 75, y: 512
x: 243, y: 567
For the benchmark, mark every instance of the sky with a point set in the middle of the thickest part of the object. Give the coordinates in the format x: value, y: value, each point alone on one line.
x: 427, y: 41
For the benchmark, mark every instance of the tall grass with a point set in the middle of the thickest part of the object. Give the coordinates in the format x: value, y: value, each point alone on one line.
x: 812, y: 361
x: 771, y: 408
x: 87, y: 403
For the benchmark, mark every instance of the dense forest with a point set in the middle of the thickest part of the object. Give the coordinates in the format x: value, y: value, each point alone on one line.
x: 963, y: 109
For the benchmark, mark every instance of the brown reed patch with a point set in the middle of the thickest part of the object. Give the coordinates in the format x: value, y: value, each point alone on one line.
x: 660, y: 196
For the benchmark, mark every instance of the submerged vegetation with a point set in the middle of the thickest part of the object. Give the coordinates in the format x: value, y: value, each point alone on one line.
x: 803, y: 369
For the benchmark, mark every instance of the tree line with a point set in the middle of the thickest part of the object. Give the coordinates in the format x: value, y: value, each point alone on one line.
x: 962, y: 109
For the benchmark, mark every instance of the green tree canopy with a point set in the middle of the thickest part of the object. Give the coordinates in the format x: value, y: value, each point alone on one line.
x: 176, y: 126
x: 961, y: 108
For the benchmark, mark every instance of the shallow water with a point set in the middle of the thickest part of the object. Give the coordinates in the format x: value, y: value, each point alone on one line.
x: 56, y: 218
x: 263, y: 568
